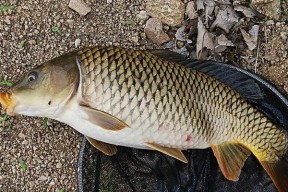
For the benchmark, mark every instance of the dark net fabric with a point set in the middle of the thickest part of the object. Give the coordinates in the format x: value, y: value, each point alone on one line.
x: 150, y: 171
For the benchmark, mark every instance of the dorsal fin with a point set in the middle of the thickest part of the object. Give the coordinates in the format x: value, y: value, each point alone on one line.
x: 252, y: 87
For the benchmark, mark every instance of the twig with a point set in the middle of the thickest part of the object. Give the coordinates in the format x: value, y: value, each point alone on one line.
x: 257, y: 55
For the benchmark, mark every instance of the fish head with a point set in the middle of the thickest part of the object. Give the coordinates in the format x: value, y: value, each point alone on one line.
x: 44, y: 90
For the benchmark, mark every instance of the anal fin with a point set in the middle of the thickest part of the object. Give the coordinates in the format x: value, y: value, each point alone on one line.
x: 107, y: 149
x: 278, y: 171
x: 176, y: 153
x: 231, y: 158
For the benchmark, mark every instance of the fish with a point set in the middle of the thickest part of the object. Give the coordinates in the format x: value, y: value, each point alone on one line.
x: 160, y: 100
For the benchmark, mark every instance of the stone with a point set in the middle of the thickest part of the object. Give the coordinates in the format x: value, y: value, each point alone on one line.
x: 170, y: 12
x: 80, y: 7
x: 142, y: 15
x: 154, y: 31
x: 77, y: 43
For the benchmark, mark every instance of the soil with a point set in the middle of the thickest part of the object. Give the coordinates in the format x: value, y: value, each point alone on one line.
x: 34, y: 31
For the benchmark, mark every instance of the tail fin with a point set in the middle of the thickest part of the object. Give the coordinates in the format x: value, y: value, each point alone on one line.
x: 278, y: 171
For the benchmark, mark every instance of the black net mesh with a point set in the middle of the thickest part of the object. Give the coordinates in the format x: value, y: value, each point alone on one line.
x: 150, y: 171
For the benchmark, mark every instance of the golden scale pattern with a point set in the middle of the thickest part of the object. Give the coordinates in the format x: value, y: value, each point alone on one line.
x: 141, y: 88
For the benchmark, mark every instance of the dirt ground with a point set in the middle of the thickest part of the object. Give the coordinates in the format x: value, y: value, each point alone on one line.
x: 39, y: 157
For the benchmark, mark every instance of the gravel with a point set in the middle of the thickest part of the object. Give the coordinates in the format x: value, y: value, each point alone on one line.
x: 27, y: 39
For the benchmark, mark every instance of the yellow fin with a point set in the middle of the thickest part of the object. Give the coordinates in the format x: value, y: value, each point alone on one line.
x: 231, y: 158
x: 104, y: 120
x: 278, y: 171
x: 105, y: 148
x: 176, y: 153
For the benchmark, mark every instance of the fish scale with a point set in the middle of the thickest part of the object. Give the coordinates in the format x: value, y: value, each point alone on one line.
x: 195, y: 103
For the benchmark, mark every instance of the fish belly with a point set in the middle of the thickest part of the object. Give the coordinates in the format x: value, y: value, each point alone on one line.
x: 137, y: 136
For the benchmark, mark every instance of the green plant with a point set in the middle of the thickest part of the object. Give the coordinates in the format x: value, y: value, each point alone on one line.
x: 56, y: 29
x: 21, y: 44
x: 8, y: 128
x: 6, y: 7
x: 7, y: 83
x: 45, y: 122
x: 128, y: 22
x: 22, y: 165
x: 3, y: 119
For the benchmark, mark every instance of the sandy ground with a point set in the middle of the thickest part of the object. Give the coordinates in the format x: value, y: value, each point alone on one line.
x: 26, y: 37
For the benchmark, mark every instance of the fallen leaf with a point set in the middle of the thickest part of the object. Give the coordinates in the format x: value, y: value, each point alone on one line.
x: 224, y: 2
x: 199, y: 5
x: 222, y: 40
x: 179, y: 34
x: 222, y: 43
x: 251, y: 37
x: 248, y: 12
x: 204, y: 39
x: 209, y: 8
x: 225, y: 18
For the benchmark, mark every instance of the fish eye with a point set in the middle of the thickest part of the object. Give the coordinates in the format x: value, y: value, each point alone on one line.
x: 33, y: 76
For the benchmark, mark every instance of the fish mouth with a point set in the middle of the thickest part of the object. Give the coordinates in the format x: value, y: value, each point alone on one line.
x: 7, y: 102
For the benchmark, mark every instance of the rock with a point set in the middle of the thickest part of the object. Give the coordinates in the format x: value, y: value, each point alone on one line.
x: 154, y: 31
x: 109, y: 1
x: 59, y: 165
x: 80, y: 7
x: 269, y: 8
x: 283, y: 35
x: 191, y: 10
x: 170, y: 12
x: 77, y: 42
x: 142, y: 15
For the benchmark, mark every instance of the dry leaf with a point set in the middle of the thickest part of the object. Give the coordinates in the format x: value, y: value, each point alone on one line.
x: 199, y: 5
x: 209, y: 8
x: 226, y: 18
x: 179, y: 35
x: 248, y: 12
x: 224, y: 2
x: 222, y: 40
x: 251, y: 37
x: 222, y: 43
x: 204, y: 39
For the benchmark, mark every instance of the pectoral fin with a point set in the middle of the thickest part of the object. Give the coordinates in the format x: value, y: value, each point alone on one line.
x: 176, y: 153
x: 105, y: 148
x: 231, y: 158
x: 102, y: 119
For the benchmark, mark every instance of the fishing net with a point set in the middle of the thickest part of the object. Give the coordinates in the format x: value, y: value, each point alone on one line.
x: 150, y: 171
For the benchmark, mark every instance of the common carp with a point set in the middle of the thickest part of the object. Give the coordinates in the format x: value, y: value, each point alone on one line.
x: 155, y: 99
